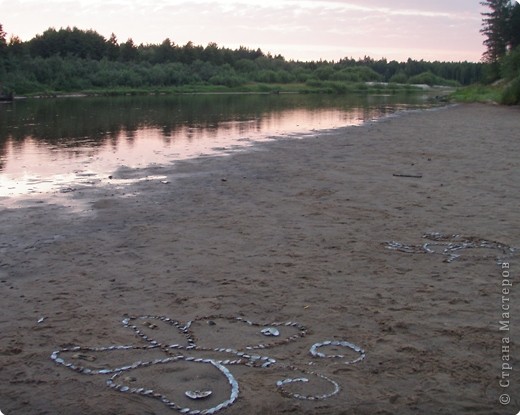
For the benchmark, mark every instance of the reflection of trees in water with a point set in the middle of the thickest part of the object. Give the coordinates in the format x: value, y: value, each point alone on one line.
x: 95, y: 121
x: 3, y: 153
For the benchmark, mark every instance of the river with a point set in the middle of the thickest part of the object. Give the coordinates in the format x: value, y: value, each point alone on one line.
x: 50, y: 146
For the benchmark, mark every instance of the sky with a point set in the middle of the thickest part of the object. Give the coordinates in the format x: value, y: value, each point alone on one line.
x: 305, y: 30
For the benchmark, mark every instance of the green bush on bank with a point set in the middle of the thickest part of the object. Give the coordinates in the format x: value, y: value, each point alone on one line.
x: 399, y: 78
x: 478, y: 93
x: 358, y: 74
x: 510, y: 64
x: 510, y: 71
x: 511, y: 94
x: 431, y: 79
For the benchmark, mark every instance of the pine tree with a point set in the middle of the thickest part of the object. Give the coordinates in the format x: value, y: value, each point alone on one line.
x: 514, y: 40
x: 112, y: 48
x: 496, y: 29
x: 3, y: 41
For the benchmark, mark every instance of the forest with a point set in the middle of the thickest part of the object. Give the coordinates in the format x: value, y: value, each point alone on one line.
x: 71, y: 59
x: 74, y: 60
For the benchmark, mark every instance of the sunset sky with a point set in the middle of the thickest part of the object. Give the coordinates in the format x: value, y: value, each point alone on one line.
x: 297, y: 29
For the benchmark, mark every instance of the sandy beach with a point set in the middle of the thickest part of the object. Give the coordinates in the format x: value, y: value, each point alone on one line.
x: 325, y: 233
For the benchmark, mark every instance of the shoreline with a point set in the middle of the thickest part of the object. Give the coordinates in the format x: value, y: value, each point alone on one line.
x: 373, y: 88
x: 50, y: 187
x: 291, y: 230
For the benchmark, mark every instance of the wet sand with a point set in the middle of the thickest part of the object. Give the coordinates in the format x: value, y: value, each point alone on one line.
x: 288, y: 231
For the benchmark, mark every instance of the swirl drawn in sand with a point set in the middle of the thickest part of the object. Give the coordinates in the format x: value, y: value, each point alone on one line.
x: 454, y: 247
x: 198, y: 368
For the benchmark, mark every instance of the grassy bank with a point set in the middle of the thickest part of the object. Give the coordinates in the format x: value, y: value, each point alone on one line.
x: 506, y: 93
x: 315, y: 87
x: 478, y: 93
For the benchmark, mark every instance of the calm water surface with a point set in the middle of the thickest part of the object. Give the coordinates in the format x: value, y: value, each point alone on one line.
x: 52, y: 145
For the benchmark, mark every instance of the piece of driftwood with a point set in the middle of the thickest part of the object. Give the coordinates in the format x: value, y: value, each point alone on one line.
x: 414, y: 176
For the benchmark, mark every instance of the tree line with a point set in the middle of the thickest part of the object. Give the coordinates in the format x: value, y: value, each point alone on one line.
x: 71, y: 59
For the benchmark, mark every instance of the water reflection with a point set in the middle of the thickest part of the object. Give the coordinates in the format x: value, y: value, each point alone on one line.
x: 48, y: 144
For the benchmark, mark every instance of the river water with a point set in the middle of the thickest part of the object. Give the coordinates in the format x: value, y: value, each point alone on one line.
x: 49, y: 146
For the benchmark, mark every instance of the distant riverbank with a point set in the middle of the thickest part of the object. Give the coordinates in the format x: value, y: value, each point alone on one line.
x: 325, y: 87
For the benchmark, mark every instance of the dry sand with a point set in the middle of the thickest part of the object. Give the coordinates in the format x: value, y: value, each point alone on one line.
x: 291, y: 230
